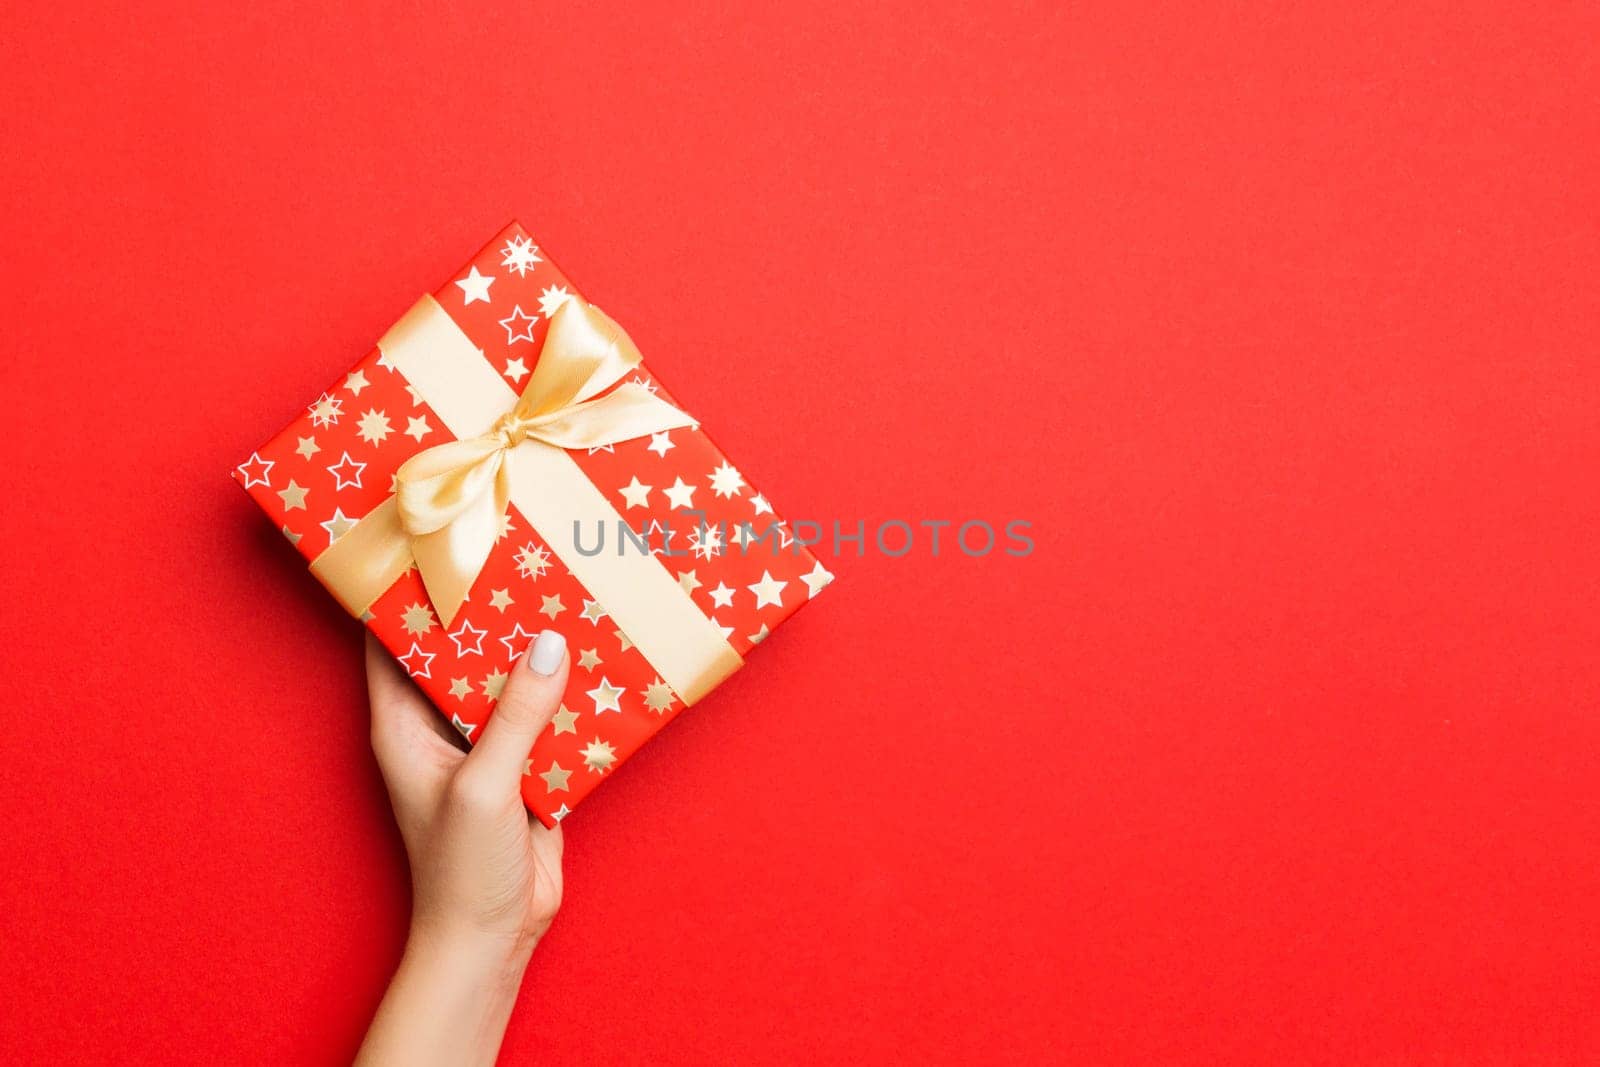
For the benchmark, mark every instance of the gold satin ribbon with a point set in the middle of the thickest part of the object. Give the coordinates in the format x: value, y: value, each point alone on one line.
x: 450, y: 499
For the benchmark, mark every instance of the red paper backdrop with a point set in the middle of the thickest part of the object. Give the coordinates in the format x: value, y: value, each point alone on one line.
x: 1280, y: 328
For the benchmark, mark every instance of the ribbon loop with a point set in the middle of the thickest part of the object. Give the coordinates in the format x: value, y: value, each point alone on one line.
x: 452, y: 498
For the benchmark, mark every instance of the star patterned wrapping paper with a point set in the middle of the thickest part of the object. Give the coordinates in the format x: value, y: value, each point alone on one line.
x: 336, y: 463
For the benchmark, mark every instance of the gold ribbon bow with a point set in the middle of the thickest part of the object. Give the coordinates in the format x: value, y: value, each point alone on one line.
x: 452, y: 498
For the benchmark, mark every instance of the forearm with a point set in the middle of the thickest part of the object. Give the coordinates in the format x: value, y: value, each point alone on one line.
x: 448, y: 1002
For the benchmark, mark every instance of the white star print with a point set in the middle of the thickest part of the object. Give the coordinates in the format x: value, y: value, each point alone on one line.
x: 725, y: 481
x: 551, y: 299
x: 347, y: 473
x: 705, y: 541
x: 468, y: 639
x: 816, y: 580
x: 256, y: 470
x: 768, y: 591
x: 519, y: 325
x: 722, y: 596
x: 636, y: 493
x: 660, y: 443
x: 475, y: 286
x: 680, y: 495
x: 423, y: 664
x: 521, y: 254
x: 516, y: 641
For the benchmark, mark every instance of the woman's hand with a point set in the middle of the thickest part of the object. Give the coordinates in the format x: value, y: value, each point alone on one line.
x: 485, y: 875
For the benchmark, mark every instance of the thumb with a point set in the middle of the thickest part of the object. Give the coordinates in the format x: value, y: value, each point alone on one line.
x: 530, y: 698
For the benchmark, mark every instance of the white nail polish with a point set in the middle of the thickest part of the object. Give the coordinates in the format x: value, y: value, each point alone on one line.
x: 547, y: 652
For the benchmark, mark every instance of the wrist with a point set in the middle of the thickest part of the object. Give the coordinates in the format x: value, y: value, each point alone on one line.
x: 449, y: 1000
x: 482, y: 959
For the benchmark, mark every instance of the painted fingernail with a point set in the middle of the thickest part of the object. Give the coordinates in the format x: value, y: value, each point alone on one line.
x: 547, y: 652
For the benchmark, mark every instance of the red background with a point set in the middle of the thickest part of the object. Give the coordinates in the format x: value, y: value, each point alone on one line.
x: 1281, y: 329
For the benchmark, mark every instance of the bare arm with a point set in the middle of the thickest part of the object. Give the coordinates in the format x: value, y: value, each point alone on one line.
x: 486, y: 877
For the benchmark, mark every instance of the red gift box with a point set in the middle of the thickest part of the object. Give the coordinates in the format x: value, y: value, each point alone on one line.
x: 656, y: 531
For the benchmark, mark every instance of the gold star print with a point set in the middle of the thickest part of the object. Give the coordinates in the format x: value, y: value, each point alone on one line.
x: 493, y: 683
x: 356, y: 381
x: 532, y: 560
x: 500, y: 598
x: 555, y: 779
x: 768, y: 591
x: 294, y: 538
x: 658, y: 696
x: 551, y: 300
x: 417, y: 619
x: 307, y: 447
x: 817, y: 580
x: 374, y: 426
x: 725, y: 481
x: 592, y: 612
x: 460, y: 688
x: 689, y: 580
x: 622, y: 639
x: 599, y: 756
x: 326, y: 411
x: 293, y: 497
x: 606, y: 697
x: 505, y: 526
x: 679, y: 495
x: 552, y: 606
x: 417, y: 429
x: 589, y: 659
x: 337, y: 525
x: 564, y: 722
x: 636, y: 493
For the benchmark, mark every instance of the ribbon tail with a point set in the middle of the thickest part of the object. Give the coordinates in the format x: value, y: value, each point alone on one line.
x: 450, y: 558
